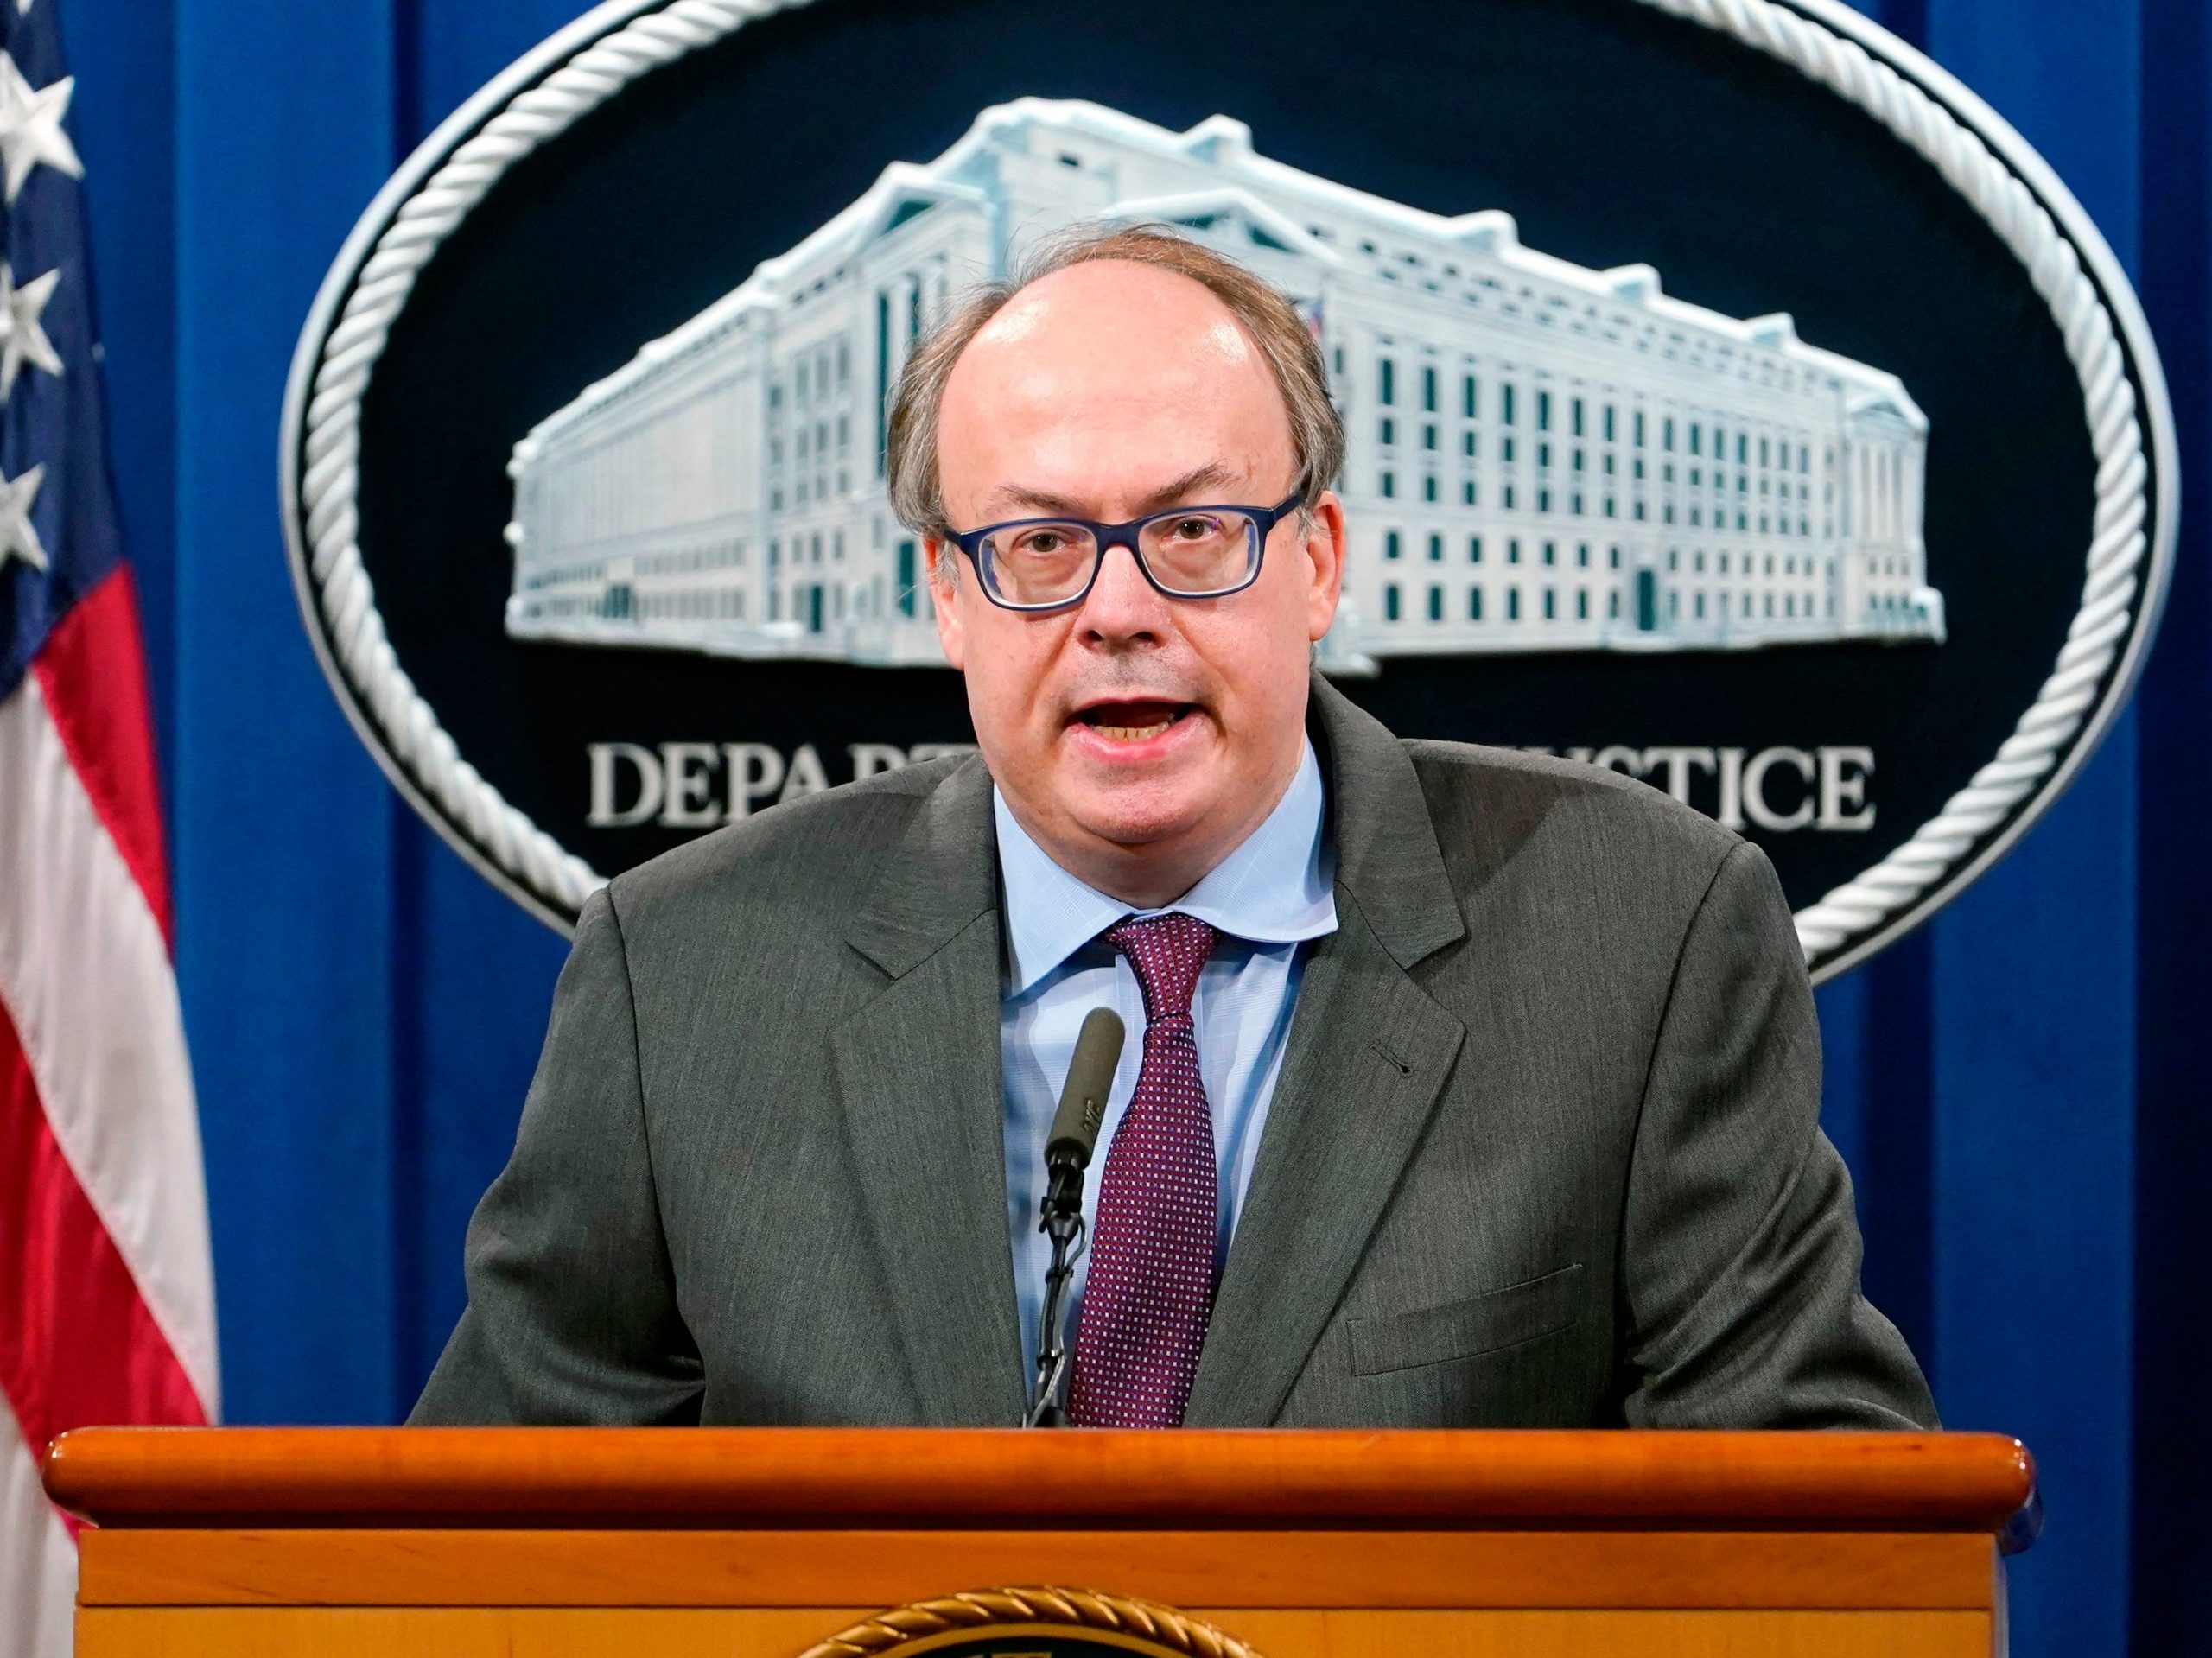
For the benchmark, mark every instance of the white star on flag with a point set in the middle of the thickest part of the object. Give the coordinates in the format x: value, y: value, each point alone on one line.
x: 30, y: 127
x: 22, y: 336
x: 18, y: 536
x: 107, y: 1300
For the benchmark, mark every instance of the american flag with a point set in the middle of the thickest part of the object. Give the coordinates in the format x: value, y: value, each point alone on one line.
x: 107, y: 1309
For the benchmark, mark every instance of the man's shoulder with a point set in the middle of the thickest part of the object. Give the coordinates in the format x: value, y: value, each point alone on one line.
x: 1557, y: 817
x: 814, y: 853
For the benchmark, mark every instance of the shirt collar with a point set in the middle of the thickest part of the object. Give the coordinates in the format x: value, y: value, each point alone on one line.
x: 1277, y: 887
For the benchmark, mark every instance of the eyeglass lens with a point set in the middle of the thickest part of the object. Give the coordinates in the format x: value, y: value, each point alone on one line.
x: 1191, y: 554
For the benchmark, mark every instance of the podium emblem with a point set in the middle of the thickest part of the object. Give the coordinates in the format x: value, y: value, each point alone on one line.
x: 1042, y: 1623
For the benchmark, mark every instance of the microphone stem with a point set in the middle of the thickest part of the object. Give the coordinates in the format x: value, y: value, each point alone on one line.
x: 1065, y: 1227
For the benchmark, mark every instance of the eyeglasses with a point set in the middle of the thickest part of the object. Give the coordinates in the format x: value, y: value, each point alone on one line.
x: 1186, y: 552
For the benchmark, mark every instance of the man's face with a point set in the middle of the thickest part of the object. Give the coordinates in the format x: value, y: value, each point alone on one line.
x: 1137, y: 738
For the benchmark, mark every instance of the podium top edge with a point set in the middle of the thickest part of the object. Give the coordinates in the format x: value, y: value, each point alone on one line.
x: 955, y: 1477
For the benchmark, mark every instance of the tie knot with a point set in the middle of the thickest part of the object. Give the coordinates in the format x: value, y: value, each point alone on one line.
x: 1165, y: 952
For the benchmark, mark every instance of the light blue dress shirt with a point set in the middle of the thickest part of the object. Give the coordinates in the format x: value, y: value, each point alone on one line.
x: 1267, y: 897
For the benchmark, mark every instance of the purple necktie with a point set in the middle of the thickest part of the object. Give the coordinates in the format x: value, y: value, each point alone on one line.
x: 1150, y: 1291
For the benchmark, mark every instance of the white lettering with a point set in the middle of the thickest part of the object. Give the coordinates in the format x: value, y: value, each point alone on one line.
x: 756, y: 772
x: 1755, y: 801
x: 691, y: 785
x: 676, y: 787
x: 806, y: 776
x: 1678, y: 762
x: 604, y: 813
x: 1730, y: 815
x: 868, y: 758
x: 1840, y: 789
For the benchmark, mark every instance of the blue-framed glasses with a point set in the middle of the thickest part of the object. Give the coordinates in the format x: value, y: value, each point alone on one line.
x: 1186, y: 552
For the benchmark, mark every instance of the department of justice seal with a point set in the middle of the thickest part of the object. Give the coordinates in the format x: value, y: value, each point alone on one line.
x: 1733, y: 400
x: 1033, y: 1623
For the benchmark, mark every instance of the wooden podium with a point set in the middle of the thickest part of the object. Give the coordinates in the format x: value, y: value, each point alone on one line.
x: 774, y: 1543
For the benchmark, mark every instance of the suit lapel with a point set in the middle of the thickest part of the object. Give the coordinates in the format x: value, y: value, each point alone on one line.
x: 1369, y: 1054
x: 918, y: 1068
x: 1369, y: 1051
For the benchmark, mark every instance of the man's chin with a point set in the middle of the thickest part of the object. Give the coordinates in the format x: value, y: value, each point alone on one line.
x: 1134, y: 817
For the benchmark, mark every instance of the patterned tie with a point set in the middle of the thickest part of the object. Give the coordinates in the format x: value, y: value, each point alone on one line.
x: 1150, y: 1291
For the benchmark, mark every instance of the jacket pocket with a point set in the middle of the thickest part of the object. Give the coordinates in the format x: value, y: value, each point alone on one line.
x: 1460, y: 1330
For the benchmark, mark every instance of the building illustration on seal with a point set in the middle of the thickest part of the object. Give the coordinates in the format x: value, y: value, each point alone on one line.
x: 1540, y: 457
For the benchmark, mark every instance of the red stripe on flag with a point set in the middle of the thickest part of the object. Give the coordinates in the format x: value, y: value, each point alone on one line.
x: 77, y: 1346
x: 93, y: 669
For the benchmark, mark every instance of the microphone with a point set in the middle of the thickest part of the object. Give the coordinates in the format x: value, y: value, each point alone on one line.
x: 1082, y: 1108
x: 1067, y: 1153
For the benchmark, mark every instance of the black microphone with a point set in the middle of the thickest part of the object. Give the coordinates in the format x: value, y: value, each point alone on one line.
x: 1082, y: 1108
x: 1067, y: 1154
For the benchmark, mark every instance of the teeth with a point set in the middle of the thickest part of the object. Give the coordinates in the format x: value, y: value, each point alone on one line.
x: 1133, y: 734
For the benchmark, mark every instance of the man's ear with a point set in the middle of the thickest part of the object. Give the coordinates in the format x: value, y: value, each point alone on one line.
x: 944, y: 561
x: 1323, y: 544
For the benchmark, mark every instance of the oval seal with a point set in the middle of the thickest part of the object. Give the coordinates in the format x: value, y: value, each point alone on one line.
x: 1733, y: 401
x: 1033, y: 1623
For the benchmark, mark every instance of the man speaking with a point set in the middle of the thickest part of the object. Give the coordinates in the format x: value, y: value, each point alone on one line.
x: 1465, y: 1088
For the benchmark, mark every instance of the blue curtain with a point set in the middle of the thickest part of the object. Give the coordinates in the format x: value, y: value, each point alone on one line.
x: 2020, y: 1087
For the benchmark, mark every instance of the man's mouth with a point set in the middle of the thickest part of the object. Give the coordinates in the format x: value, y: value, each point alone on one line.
x: 1132, y: 722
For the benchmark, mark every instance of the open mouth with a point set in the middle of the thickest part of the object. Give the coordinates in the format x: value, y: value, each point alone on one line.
x: 1132, y: 722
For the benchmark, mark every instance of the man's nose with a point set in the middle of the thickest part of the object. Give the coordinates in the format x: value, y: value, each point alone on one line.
x: 1121, y: 604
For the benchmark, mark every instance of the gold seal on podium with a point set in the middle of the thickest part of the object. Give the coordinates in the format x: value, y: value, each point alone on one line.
x: 1033, y: 1623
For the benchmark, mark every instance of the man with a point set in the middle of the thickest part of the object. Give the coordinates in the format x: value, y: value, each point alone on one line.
x: 1471, y: 1089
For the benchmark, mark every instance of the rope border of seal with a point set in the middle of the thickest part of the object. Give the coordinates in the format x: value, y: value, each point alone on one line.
x: 401, y: 724
x: 421, y: 757
x: 993, y: 1611
x: 2118, y: 538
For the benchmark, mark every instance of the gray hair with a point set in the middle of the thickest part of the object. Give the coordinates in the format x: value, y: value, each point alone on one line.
x: 1317, y: 434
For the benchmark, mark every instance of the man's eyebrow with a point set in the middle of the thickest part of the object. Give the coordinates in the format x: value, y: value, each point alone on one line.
x: 1212, y: 476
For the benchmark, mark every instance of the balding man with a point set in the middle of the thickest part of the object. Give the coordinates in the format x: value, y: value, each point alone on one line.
x: 1471, y: 1089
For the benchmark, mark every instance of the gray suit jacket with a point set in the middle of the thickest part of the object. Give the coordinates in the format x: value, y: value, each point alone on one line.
x: 1544, y: 1150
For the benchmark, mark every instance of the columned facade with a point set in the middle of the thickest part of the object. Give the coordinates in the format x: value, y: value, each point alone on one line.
x: 1541, y: 456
